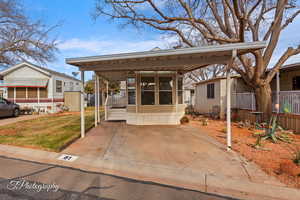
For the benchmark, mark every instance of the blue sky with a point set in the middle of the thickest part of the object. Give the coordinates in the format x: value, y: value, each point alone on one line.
x: 79, y: 35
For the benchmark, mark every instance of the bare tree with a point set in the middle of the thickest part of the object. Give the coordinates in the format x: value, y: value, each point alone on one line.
x: 218, y: 22
x: 22, y: 39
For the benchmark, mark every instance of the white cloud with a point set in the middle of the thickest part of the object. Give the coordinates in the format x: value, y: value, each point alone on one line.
x: 108, y: 46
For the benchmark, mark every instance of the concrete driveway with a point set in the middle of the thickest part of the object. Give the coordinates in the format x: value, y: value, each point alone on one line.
x: 180, y: 147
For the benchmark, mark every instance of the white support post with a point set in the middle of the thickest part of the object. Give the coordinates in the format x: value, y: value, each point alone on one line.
x: 137, y: 88
x: 82, y: 120
x: 15, y: 94
x: 38, y: 95
x: 106, y: 109
x: 95, y: 99
x: 98, y: 98
x: 26, y: 92
x: 277, y: 92
x: 228, y: 96
x: 176, y: 91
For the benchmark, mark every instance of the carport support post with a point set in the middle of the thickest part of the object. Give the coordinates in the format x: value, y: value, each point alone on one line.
x: 82, y: 106
x: 278, y: 92
x: 228, y: 101
x: 95, y: 99
x: 98, y: 98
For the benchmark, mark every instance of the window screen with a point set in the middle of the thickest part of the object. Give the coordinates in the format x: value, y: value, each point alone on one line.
x: 43, y: 93
x: 131, y: 90
x: 211, y: 91
x: 165, y: 90
x: 21, y: 92
x: 180, y: 90
x: 148, y: 90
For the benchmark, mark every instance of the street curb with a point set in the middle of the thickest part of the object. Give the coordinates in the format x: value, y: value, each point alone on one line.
x: 188, y: 179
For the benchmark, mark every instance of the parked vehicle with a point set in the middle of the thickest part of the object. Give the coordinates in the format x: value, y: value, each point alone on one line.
x: 8, y: 109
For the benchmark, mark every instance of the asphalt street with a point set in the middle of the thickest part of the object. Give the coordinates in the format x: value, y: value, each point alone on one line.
x: 26, y: 180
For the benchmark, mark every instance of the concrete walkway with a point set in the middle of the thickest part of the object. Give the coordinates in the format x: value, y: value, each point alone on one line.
x: 9, y: 120
x: 171, y: 155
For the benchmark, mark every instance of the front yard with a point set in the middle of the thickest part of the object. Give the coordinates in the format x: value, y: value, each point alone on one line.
x: 275, y: 159
x: 51, y: 132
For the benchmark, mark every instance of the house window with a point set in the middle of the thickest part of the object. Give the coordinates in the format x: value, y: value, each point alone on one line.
x: 43, y: 93
x: 32, y: 92
x: 58, y: 86
x: 21, y: 92
x: 165, y: 90
x: 180, y: 90
x: 10, y: 92
x: 148, y: 90
x: 211, y: 91
x: 296, y: 83
x: 131, y: 90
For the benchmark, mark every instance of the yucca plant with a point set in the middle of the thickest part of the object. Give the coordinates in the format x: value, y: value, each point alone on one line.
x: 274, y: 132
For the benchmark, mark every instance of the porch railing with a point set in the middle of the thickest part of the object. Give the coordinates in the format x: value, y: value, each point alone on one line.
x: 244, y: 101
x: 287, y: 99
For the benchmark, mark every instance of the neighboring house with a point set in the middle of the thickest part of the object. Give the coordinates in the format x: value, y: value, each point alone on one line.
x: 210, y: 95
x: 36, y: 87
x: 189, y: 95
x: 289, y: 78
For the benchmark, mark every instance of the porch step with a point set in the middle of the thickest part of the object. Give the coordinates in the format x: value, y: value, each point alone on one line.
x: 116, y: 114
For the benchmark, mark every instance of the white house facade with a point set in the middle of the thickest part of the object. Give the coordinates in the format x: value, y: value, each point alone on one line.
x: 37, y: 87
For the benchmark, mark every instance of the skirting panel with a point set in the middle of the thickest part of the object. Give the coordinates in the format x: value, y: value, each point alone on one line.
x: 154, y: 118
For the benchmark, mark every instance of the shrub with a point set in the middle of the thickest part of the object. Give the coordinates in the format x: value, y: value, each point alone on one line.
x: 184, y: 120
x: 204, y: 122
x: 296, y: 159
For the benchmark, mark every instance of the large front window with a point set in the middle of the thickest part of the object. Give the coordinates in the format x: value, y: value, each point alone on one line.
x: 131, y: 90
x: 147, y: 90
x: 165, y: 90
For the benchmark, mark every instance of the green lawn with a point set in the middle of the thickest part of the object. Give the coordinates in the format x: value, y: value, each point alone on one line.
x: 51, y: 132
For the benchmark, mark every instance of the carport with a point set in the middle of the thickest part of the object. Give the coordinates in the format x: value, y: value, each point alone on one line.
x: 172, y: 63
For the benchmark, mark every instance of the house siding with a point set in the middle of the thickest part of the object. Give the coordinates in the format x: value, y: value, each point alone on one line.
x: 202, y: 103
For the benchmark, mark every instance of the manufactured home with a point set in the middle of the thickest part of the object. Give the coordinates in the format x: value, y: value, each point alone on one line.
x: 36, y: 87
x: 154, y: 79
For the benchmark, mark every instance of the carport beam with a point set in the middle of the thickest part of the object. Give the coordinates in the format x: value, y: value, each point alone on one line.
x: 82, y: 106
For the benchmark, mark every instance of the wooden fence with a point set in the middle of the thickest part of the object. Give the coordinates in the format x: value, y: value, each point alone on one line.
x: 287, y: 121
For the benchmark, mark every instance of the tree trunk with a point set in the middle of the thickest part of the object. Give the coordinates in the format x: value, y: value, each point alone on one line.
x: 263, y: 96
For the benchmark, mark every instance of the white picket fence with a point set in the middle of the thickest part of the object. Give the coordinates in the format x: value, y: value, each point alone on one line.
x: 287, y: 99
